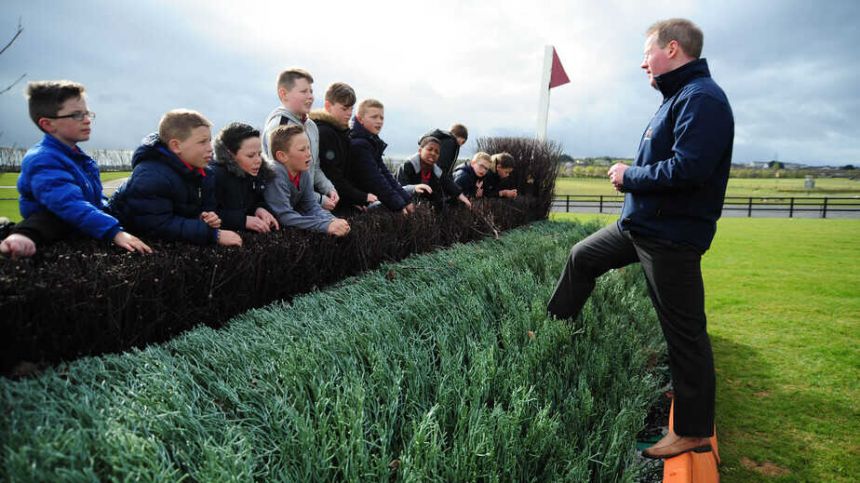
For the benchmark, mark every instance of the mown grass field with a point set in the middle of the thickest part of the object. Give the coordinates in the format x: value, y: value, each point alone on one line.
x: 444, y: 367
x: 781, y: 187
x: 9, y: 196
x: 783, y: 302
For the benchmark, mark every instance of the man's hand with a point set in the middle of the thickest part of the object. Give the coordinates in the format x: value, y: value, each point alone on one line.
x: 131, y: 243
x: 371, y: 198
x: 465, y: 201
x: 508, y: 194
x: 211, y: 219
x: 338, y: 227
x: 334, y: 197
x: 423, y: 189
x: 268, y: 218
x: 17, y: 246
x: 616, y: 175
x: 327, y: 203
x: 227, y: 238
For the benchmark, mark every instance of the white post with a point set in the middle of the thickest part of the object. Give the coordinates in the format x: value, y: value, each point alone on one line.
x: 543, y: 103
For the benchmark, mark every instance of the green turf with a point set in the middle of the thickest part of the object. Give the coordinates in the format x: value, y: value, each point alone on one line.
x: 737, y: 187
x: 783, y: 301
x: 441, y: 368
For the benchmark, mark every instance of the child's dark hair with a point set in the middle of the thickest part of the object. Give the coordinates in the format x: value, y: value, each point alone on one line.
x: 234, y: 134
x: 504, y: 160
x: 340, y: 93
x: 46, y: 98
x: 459, y: 131
x: 282, y: 135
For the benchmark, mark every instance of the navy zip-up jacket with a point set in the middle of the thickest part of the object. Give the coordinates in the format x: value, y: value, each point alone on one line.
x: 676, y: 186
x: 368, y: 171
x: 163, y: 198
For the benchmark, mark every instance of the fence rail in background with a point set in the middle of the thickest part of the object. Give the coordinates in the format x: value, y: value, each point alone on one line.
x: 788, y: 206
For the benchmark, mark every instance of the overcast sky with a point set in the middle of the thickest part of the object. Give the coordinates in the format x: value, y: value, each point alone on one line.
x: 790, y: 68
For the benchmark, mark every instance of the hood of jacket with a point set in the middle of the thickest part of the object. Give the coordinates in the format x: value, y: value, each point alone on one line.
x: 415, y: 161
x: 223, y: 157
x: 321, y: 116
x: 282, y: 111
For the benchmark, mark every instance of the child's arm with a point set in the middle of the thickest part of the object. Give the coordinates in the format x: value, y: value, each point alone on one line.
x: 369, y: 176
x: 149, y: 200
x: 58, y: 191
x: 277, y: 195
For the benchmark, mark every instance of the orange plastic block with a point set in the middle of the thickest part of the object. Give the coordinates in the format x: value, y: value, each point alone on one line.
x: 692, y: 467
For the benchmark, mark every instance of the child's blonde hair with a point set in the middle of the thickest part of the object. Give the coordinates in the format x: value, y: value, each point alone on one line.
x: 178, y: 124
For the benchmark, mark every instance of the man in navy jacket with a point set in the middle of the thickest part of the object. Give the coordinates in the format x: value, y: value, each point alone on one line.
x: 673, y: 197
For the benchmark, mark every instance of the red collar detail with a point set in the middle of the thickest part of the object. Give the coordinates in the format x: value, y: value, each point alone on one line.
x: 201, y: 171
x: 426, y: 175
x: 295, y: 179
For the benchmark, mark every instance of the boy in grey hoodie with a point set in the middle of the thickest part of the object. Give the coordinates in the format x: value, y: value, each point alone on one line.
x: 297, y: 97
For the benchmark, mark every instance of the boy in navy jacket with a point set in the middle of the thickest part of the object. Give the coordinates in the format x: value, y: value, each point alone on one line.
x: 171, y: 192
x: 59, y: 186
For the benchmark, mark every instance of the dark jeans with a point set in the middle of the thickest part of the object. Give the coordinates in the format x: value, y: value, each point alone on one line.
x: 674, y: 277
x: 44, y: 228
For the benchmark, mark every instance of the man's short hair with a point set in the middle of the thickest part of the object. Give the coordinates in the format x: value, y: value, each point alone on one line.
x: 427, y: 140
x: 366, y: 104
x: 287, y: 79
x: 282, y: 135
x: 46, y: 98
x: 178, y: 124
x: 686, y: 33
x: 482, y: 155
x: 460, y: 131
x: 503, y: 160
x: 340, y: 93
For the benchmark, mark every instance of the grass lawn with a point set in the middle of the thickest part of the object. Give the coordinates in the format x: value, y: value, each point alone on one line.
x: 783, y: 302
x: 9, y: 196
x: 737, y: 187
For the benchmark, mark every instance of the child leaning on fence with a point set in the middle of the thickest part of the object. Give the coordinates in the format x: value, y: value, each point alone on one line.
x: 60, y: 192
x: 420, y: 171
x: 171, y: 192
x: 476, y: 178
x: 291, y: 195
x: 241, y: 177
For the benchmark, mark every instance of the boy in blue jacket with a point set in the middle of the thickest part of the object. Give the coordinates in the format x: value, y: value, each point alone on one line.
x: 171, y: 192
x: 60, y: 192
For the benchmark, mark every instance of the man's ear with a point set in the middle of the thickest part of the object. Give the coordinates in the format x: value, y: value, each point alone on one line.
x: 45, y: 124
x: 673, y: 49
x: 173, y: 145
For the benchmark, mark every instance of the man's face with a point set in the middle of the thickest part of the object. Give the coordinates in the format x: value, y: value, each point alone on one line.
x: 372, y: 119
x: 68, y: 130
x: 481, y: 166
x: 300, y: 98
x: 195, y: 150
x: 429, y: 153
x: 339, y: 111
x: 656, y: 60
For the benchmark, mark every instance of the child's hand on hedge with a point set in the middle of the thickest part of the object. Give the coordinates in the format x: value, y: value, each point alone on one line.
x: 371, y: 198
x: 508, y: 193
x: 423, y: 189
x: 465, y: 201
x: 211, y: 219
x: 268, y: 218
x: 17, y: 246
x: 227, y: 238
x: 327, y: 203
x: 338, y: 227
x: 131, y: 243
x: 256, y: 224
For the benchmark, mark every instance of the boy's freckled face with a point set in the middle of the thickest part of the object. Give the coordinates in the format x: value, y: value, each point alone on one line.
x: 372, y: 119
x: 68, y: 130
x: 196, y: 150
x: 300, y: 98
x: 297, y: 158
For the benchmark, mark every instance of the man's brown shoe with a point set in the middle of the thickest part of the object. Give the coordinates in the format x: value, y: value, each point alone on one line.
x: 673, y: 445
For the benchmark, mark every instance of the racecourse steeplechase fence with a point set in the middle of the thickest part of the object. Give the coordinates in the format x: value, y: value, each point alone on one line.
x: 749, y: 206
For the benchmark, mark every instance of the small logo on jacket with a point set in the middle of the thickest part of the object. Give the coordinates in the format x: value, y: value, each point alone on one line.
x: 647, y: 136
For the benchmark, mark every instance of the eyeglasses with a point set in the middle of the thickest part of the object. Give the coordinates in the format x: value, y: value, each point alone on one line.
x: 77, y: 115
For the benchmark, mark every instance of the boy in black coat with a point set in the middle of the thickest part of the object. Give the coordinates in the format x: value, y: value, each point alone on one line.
x: 421, y: 169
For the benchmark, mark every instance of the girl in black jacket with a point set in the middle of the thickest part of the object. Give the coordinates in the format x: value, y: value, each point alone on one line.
x: 240, y: 179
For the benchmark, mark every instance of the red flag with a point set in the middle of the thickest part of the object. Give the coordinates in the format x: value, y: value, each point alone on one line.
x: 558, y: 76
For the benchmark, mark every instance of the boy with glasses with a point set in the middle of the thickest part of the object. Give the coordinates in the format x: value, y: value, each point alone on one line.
x: 60, y: 192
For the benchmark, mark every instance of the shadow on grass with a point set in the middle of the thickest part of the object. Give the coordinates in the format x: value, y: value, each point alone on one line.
x: 769, y: 431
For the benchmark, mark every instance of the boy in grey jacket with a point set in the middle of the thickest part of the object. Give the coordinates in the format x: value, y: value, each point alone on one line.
x: 290, y: 195
x: 297, y: 98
